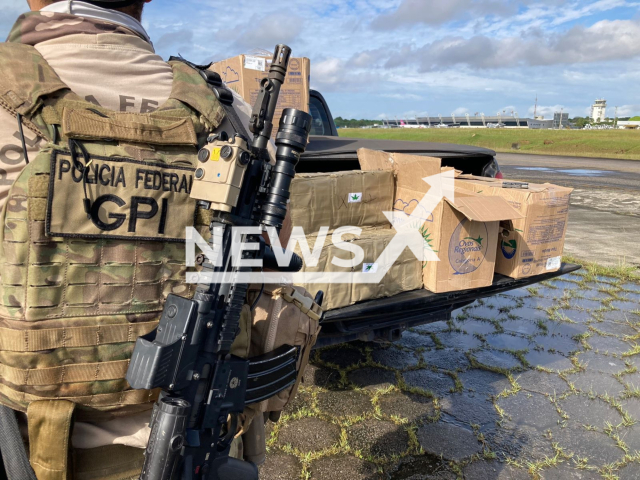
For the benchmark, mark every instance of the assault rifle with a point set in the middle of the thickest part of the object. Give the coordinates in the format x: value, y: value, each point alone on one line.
x: 204, y: 388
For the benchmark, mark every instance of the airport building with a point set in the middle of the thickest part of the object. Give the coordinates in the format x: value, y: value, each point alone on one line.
x: 481, y: 121
x: 599, y: 110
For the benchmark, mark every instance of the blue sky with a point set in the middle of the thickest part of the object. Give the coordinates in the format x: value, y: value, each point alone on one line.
x: 375, y: 58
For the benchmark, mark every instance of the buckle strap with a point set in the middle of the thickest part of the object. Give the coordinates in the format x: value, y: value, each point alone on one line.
x: 305, y: 304
x: 49, y: 424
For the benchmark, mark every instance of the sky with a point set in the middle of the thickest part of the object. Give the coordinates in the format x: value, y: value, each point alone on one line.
x: 404, y: 58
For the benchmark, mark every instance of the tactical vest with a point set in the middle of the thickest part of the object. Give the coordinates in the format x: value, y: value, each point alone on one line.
x: 93, y: 234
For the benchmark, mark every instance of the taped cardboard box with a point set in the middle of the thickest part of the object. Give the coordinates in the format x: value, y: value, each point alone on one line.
x: 402, y: 275
x: 462, y: 229
x: 352, y: 198
x: 244, y: 73
x: 531, y: 245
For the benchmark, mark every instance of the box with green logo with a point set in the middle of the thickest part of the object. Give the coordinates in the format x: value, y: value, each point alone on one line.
x: 533, y: 244
x: 461, y: 228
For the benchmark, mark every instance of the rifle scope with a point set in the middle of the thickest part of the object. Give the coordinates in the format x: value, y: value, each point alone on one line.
x: 291, y: 141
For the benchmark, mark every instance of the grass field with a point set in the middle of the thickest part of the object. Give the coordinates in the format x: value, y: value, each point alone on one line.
x: 623, y: 144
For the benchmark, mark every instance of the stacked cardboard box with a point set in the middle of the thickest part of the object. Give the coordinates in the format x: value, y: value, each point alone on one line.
x: 357, y: 199
x: 531, y: 245
x: 462, y: 228
x: 245, y: 72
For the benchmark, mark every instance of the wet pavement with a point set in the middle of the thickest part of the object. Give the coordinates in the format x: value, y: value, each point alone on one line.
x: 604, y: 218
x: 539, y: 383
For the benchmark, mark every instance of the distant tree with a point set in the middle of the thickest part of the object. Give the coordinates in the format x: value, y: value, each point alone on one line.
x: 353, y: 123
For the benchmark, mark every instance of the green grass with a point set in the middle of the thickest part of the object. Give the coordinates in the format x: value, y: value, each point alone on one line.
x: 623, y: 144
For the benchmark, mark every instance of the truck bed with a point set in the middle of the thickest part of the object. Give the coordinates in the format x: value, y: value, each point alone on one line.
x: 386, y: 318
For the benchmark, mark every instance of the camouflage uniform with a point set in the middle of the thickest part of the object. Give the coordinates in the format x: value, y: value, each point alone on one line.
x: 71, y: 308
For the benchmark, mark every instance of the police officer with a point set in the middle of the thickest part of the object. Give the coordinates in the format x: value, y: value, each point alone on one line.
x: 56, y: 344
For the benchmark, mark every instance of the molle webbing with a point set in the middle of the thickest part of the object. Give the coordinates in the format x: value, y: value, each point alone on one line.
x: 67, y: 337
x: 28, y: 82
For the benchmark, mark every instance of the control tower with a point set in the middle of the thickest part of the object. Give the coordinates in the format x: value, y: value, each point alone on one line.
x: 599, y: 110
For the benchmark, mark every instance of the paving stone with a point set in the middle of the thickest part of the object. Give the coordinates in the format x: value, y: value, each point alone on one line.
x: 482, y: 311
x: 586, y: 304
x: 583, y: 410
x: 629, y: 472
x: 596, y: 382
x: 344, y: 403
x: 411, y: 406
x: 432, y: 327
x: 301, y: 400
x: 565, y: 329
x: 483, y: 470
x: 469, y: 409
x: 477, y: 326
x: 315, y: 375
x: 378, y: 438
x: 496, y: 359
x: 279, y: 466
x: 415, y: 340
x: 423, y: 467
x: 394, y: 358
x: 597, y: 447
x: 632, y: 287
x: 593, y: 294
x: 522, y: 326
x: 372, y: 378
x: 615, y: 328
x: 309, y: 434
x: 517, y: 293
x: 483, y: 382
x: 347, y: 467
x: 632, y: 407
x: 630, y: 297
x: 566, y: 472
x: 530, y: 313
x: 546, y: 299
x: 458, y: 340
x: 342, y: 357
x: 619, y: 316
x: 633, y: 380
x: 551, y: 361
x: 576, y: 316
x: 530, y: 409
x: 624, y: 305
x: 631, y: 436
x: 601, y: 363
x: 542, y: 382
x: 446, y: 359
x: 559, y: 343
x: 599, y: 279
x: 452, y: 442
x: 437, y: 383
x: 608, y: 344
x: 518, y: 442
x: 505, y: 341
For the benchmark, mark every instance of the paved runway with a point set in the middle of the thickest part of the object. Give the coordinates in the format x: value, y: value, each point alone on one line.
x: 604, y: 223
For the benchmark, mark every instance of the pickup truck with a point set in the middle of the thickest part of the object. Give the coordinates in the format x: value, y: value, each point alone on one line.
x: 387, y: 318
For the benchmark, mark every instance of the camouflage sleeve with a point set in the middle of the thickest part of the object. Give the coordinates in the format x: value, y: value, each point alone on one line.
x: 12, y: 159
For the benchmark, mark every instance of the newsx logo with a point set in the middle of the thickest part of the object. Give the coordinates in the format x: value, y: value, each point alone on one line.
x: 407, y: 236
x: 123, y: 181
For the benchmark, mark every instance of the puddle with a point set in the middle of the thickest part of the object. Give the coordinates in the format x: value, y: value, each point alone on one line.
x: 573, y: 172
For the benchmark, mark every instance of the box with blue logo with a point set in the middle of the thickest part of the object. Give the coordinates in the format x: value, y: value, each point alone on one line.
x: 533, y: 244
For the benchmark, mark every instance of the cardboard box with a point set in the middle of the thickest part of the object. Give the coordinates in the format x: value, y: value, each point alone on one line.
x: 404, y: 275
x: 352, y: 198
x: 462, y: 230
x: 531, y: 245
x: 245, y: 72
